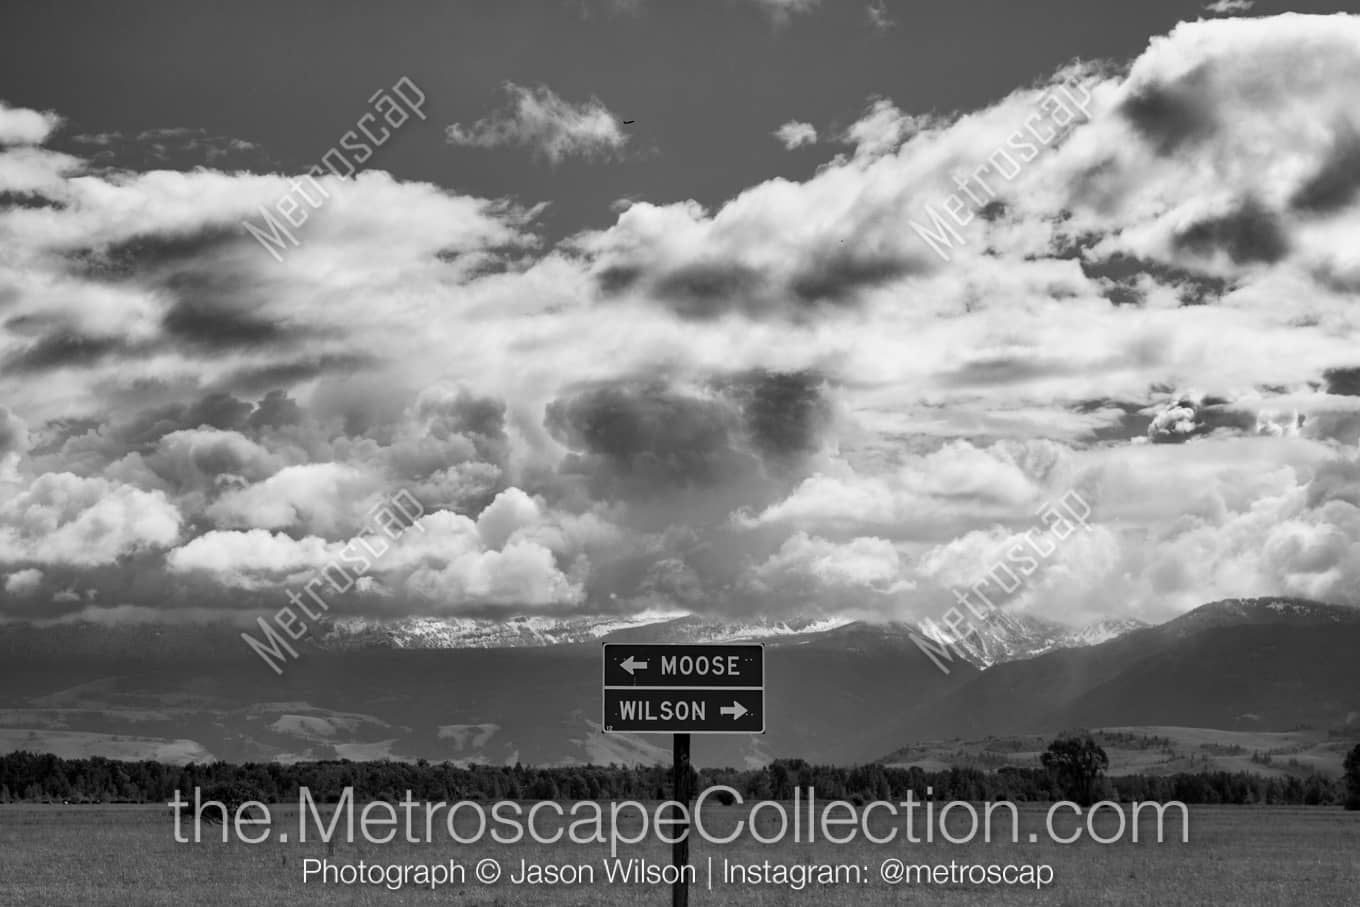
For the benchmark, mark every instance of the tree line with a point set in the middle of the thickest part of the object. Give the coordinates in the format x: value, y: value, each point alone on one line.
x: 1071, y: 770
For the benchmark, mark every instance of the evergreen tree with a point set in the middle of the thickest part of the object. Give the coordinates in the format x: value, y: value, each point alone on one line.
x: 1352, y: 776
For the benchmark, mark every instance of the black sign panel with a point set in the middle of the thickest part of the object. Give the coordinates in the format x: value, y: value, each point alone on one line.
x: 650, y: 710
x: 684, y: 689
x: 725, y: 666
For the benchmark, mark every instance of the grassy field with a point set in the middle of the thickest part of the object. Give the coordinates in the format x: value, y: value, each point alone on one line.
x: 100, y: 856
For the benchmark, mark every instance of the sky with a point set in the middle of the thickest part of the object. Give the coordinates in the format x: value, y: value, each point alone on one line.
x: 709, y: 360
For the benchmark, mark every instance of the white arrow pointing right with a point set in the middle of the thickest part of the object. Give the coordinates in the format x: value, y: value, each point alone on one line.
x: 736, y: 710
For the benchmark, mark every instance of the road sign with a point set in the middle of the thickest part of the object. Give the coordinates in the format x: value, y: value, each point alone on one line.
x: 727, y: 666
x: 684, y: 689
x: 643, y: 710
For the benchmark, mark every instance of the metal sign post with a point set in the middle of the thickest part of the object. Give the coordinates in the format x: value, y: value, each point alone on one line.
x: 680, y: 772
x: 683, y: 690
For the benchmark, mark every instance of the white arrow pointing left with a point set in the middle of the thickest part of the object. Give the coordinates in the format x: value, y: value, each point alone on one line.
x: 736, y: 710
x: 631, y: 664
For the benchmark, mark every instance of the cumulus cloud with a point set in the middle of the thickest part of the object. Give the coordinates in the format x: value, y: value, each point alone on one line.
x: 516, y: 554
x: 881, y: 128
x: 255, y: 550
x: 65, y: 519
x: 1193, y: 415
x: 862, y: 577
x: 785, y: 402
x: 21, y: 126
x: 538, y: 119
x: 23, y: 582
x: 927, y: 496
x: 320, y: 498
x: 795, y: 134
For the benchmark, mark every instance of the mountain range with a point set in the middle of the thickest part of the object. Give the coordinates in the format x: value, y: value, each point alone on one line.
x: 529, y: 690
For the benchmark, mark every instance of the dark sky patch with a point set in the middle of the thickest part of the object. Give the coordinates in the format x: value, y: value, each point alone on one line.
x: 33, y: 324
x: 480, y: 419
x: 1128, y: 421
x: 1249, y: 235
x: 840, y: 274
x: 64, y: 348
x: 617, y: 279
x: 1118, y: 276
x: 1003, y: 370
x: 1343, y: 381
x: 214, y: 410
x: 151, y: 253
x: 710, y: 289
x: 29, y: 201
x: 1122, y: 293
x: 217, y: 410
x: 786, y: 413
x: 168, y: 148
x: 640, y: 439
x: 1170, y: 116
x: 1337, y: 277
x: 216, y: 307
x: 711, y: 141
x: 486, y: 262
x: 276, y: 410
x: 465, y: 414
x: 993, y: 211
x: 1335, y: 185
x: 197, y: 321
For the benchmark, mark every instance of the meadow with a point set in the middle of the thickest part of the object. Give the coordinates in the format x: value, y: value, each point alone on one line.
x: 125, y: 856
